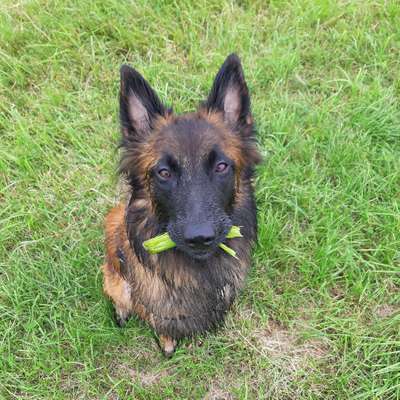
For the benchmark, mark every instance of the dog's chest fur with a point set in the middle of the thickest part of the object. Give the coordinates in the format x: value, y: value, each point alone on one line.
x: 184, y: 297
x: 177, y: 295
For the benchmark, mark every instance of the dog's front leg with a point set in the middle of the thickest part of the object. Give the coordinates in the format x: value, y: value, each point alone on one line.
x: 119, y: 292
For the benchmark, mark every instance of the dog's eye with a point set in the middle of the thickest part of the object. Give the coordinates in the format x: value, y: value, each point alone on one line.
x: 221, y: 167
x: 164, y: 173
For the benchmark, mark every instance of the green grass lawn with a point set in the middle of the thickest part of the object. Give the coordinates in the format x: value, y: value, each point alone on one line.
x: 319, y: 318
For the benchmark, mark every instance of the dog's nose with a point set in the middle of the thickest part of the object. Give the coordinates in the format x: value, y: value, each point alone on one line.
x: 199, y: 235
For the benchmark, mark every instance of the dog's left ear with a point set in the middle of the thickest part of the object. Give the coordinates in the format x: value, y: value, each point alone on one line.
x: 139, y: 105
x: 229, y: 94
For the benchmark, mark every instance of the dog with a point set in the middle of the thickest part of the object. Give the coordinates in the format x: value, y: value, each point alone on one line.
x: 190, y: 175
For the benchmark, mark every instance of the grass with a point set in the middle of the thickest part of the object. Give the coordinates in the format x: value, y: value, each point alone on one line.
x: 319, y: 318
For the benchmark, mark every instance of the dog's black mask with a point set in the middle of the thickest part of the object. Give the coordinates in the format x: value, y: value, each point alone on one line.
x: 194, y: 187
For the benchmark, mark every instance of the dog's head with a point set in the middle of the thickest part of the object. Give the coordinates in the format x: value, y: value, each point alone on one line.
x: 189, y: 167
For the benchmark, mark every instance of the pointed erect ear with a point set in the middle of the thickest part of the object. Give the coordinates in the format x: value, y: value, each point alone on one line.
x: 139, y: 104
x: 229, y: 93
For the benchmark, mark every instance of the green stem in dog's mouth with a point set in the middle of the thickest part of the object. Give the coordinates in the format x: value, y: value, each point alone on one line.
x: 163, y: 242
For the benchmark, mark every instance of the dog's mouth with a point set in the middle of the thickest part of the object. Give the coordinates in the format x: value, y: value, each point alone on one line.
x: 201, y: 254
x: 197, y: 253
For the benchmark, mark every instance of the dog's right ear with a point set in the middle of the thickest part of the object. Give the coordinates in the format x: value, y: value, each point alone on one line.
x: 139, y: 105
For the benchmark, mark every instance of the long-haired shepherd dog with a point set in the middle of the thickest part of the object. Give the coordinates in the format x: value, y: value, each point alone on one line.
x: 191, y: 176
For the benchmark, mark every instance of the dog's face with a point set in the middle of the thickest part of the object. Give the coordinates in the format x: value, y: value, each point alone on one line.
x: 193, y: 184
x: 189, y: 167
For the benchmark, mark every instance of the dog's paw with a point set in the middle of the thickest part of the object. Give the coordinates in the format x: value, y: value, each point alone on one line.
x: 121, y: 317
x: 168, y: 345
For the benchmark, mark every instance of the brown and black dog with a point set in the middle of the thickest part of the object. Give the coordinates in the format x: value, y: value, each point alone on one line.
x: 191, y: 176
